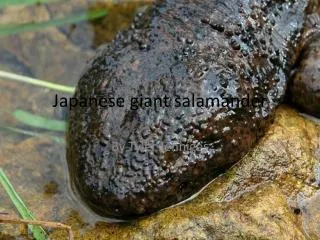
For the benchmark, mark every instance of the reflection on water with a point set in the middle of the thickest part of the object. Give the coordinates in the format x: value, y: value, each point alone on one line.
x: 37, y: 166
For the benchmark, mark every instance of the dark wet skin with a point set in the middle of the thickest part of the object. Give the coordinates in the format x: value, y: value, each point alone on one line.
x: 304, y: 90
x: 178, y: 48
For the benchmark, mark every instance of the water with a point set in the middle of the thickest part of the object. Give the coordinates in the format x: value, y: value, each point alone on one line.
x: 36, y: 166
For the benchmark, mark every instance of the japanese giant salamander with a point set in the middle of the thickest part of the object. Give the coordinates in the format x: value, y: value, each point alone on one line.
x: 125, y: 162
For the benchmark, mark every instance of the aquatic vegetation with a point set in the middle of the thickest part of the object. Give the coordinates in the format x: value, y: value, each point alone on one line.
x: 57, y: 139
x: 36, y: 82
x: 7, y: 3
x: 10, y: 29
x: 38, y: 232
x: 39, y: 121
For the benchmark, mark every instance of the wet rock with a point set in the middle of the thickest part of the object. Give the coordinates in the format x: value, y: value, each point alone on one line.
x: 32, y: 165
x: 262, y: 213
x: 45, y: 54
x: 310, y: 211
x: 40, y: 53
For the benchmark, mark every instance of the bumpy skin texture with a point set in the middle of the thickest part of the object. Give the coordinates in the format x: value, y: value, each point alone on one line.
x: 178, y: 48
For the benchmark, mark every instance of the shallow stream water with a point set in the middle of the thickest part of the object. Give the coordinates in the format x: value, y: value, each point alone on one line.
x: 36, y: 165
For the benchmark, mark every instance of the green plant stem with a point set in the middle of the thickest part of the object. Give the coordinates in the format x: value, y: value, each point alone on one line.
x: 38, y: 232
x: 10, y: 29
x: 36, y: 82
x: 57, y: 139
x: 9, y: 3
x: 39, y: 121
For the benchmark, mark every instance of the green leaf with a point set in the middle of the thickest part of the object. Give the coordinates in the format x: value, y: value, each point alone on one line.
x: 38, y: 232
x: 57, y: 139
x: 39, y: 121
x: 36, y: 82
x: 9, y: 29
x: 7, y: 3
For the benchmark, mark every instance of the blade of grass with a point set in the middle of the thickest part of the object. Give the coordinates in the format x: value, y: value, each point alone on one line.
x: 36, y: 82
x: 38, y: 232
x: 39, y: 121
x: 8, y: 219
x: 33, y: 134
x: 27, y: 27
x: 8, y: 3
